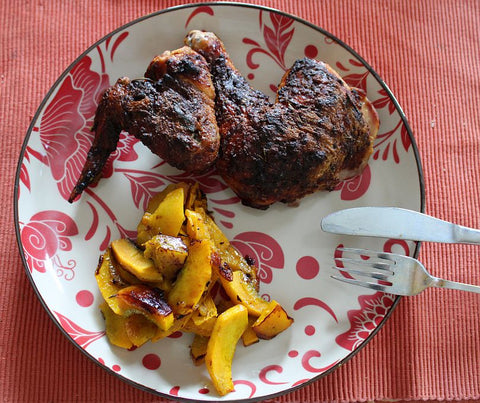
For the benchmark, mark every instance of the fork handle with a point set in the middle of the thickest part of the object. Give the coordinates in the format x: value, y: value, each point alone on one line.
x: 453, y: 285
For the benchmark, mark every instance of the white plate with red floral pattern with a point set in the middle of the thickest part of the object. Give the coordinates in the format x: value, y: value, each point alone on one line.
x: 60, y: 242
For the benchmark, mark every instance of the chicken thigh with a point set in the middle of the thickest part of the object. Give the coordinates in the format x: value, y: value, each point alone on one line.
x: 318, y: 132
x: 171, y: 111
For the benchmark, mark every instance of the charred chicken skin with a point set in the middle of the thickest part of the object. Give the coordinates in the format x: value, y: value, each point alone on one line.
x: 318, y: 131
x: 171, y: 111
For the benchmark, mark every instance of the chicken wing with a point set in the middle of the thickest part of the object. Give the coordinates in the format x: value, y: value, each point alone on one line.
x: 318, y: 131
x: 171, y: 111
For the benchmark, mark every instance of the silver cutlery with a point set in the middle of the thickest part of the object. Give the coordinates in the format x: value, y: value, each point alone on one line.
x: 396, y: 274
x: 397, y: 223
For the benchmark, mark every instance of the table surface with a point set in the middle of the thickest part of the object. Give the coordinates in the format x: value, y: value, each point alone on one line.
x: 428, y: 53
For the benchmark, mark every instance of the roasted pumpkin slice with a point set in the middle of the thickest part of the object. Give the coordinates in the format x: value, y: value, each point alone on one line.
x: 167, y: 218
x: 241, y: 291
x: 108, y: 279
x: 178, y: 325
x: 201, y: 226
x: 273, y: 321
x: 115, y: 327
x: 168, y: 253
x: 159, y: 197
x: 196, y: 226
x: 249, y: 337
x: 221, y: 347
x: 139, y: 329
x: 203, y: 317
x: 193, y: 279
x: 198, y: 349
x: 147, y: 301
x: 232, y: 258
x: 134, y: 261
x: 195, y: 198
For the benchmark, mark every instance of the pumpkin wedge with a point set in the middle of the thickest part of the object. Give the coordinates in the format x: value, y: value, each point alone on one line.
x: 221, y: 347
x: 147, y: 301
x: 273, y: 321
x: 134, y: 261
x: 193, y: 279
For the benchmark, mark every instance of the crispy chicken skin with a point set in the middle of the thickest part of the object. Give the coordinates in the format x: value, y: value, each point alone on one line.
x: 318, y: 131
x: 171, y: 111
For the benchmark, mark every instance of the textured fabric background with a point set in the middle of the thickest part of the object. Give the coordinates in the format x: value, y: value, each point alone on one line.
x: 428, y: 53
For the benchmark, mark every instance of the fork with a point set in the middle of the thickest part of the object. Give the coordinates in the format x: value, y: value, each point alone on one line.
x: 398, y: 274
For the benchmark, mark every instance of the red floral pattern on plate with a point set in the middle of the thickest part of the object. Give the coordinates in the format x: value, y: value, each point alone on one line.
x: 356, y: 187
x: 65, y: 124
x: 387, y: 143
x: 276, y: 37
x: 365, y: 320
x: 265, y: 251
x: 81, y: 336
x: 44, y: 236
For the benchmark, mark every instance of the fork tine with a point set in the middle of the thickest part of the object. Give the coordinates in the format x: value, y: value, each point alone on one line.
x: 366, y: 284
x: 369, y: 253
x: 377, y: 265
x: 365, y: 273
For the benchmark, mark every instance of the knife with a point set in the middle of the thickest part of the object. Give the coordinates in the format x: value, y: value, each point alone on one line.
x: 397, y: 223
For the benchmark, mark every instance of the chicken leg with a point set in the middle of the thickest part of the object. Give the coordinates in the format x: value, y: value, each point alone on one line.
x: 318, y: 131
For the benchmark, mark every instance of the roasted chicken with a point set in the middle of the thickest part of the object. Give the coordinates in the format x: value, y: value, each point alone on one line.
x: 171, y: 111
x: 195, y: 110
x: 318, y: 131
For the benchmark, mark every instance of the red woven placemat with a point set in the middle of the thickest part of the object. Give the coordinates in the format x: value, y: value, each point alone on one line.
x: 428, y: 54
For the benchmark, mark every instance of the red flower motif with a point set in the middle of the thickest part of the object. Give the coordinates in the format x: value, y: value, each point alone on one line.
x: 356, y: 187
x: 310, y: 301
x: 357, y: 80
x: 209, y: 181
x: 277, y: 38
x: 264, y: 373
x: 308, y: 356
x: 143, y: 187
x: 384, y: 101
x: 47, y: 233
x: 199, y: 10
x: 365, y: 320
x: 65, y: 125
x: 80, y: 335
x: 248, y: 384
x: 264, y: 250
x: 387, y: 142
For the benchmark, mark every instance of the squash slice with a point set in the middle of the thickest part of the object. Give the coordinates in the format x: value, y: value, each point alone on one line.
x: 139, y: 329
x: 134, y: 261
x: 222, y: 345
x: 198, y: 349
x: 115, y: 328
x: 147, y: 301
x: 193, y: 279
x: 109, y: 280
x: 273, y: 321
x: 168, y: 254
x: 242, y: 292
x: 167, y: 218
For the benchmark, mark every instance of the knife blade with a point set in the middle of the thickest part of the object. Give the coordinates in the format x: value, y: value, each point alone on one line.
x: 397, y: 223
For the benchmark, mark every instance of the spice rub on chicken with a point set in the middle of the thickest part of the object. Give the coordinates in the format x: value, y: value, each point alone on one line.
x: 318, y: 132
x: 171, y: 111
x: 196, y: 110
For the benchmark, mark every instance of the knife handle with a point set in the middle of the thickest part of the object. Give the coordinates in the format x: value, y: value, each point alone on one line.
x: 466, y: 235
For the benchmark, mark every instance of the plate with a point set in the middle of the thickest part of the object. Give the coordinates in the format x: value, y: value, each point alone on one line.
x: 60, y: 243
